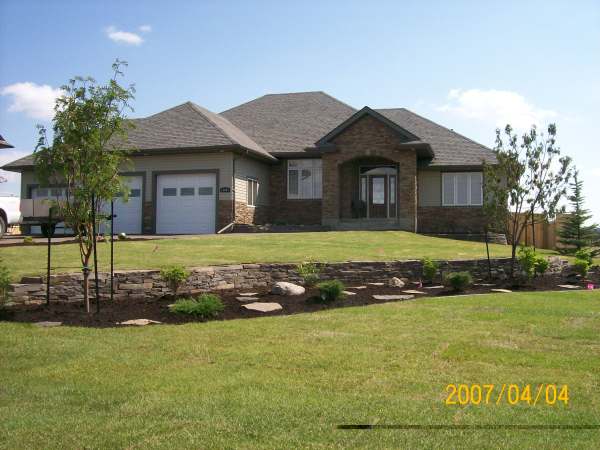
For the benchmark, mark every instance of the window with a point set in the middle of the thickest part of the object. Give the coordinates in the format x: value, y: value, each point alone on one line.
x: 134, y: 193
x: 186, y: 191
x: 169, y: 192
x: 304, y: 178
x: 205, y: 191
x: 462, y: 189
x: 251, y: 191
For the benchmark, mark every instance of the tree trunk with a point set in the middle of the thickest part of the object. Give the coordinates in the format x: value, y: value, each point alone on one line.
x: 513, y: 256
x: 86, y: 289
x: 487, y: 249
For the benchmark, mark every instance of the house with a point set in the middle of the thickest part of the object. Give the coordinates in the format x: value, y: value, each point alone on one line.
x: 297, y: 158
x: 4, y: 144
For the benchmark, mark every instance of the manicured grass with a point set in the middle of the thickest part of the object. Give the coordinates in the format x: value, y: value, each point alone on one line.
x: 236, y: 248
x: 286, y: 382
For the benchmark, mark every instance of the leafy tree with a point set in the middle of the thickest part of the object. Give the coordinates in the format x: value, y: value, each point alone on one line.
x: 574, y: 233
x: 530, y: 176
x: 85, y: 154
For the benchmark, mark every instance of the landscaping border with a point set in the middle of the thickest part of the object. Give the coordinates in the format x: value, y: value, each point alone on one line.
x: 148, y: 284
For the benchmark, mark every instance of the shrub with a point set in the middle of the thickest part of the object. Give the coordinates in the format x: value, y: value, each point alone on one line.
x: 541, y: 265
x: 527, y: 261
x: 309, y: 272
x: 27, y: 240
x: 206, y: 306
x: 174, y: 276
x: 330, y: 291
x: 585, y: 254
x: 581, y: 266
x: 430, y: 269
x: 4, y: 283
x: 459, y: 280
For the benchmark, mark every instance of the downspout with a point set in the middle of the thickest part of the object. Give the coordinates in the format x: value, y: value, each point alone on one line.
x: 233, y: 190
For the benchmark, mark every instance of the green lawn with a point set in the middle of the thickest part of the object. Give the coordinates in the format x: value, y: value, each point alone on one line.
x: 286, y: 382
x: 248, y: 248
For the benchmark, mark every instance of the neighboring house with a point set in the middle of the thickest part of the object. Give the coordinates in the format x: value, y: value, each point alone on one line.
x: 4, y: 144
x: 299, y: 158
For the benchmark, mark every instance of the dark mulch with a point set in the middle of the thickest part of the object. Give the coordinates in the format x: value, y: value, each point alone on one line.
x: 119, y: 311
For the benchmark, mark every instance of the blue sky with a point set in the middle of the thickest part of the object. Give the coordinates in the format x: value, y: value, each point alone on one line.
x: 468, y: 65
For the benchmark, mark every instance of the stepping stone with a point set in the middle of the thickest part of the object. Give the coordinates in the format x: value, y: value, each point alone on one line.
x: 263, y: 307
x: 412, y: 291
x: 433, y: 287
x: 248, y: 294
x: 247, y: 299
x: 569, y: 286
x: 48, y: 324
x: 138, y: 322
x: 393, y: 297
x: 507, y: 291
x: 357, y: 287
x: 285, y: 288
x: 484, y: 284
x: 348, y: 293
x: 376, y: 284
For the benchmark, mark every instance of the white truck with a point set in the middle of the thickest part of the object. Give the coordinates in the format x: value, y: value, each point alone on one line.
x: 10, y: 211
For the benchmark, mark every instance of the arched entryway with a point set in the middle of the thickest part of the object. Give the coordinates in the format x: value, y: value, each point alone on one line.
x: 369, y: 189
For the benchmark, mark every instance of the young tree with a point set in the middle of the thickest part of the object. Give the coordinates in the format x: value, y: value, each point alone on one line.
x: 574, y: 233
x: 85, y: 154
x: 529, y: 177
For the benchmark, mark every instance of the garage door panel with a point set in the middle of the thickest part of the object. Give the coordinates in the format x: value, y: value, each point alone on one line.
x: 128, y: 213
x: 186, y: 203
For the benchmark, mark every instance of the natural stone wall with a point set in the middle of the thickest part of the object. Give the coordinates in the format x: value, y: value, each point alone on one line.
x: 148, y: 284
x: 250, y: 215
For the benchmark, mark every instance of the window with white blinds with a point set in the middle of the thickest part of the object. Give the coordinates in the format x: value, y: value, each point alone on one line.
x: 305, y: 178
x: 462, y: 189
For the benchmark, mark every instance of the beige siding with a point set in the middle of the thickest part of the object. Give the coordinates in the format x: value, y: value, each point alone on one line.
x: 196, y: 161
x: 27, y: 178
x: 249, y: 168
x: 429, y: 188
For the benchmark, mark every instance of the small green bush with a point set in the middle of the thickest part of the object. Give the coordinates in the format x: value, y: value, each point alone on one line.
x: 430, y: 269
x: 206, y: 306
x: 541, y: 265
x: 581, y: 266
x: 174, y: 276
x: 310, y: 272
x: 330, y: 291
x: 4, y: 283
x: 459, y: 280
x: 585, y: 254
x: 526, y: 259
x: 28, y: 240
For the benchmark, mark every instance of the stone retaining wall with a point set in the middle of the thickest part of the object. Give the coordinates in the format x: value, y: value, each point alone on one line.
x: 148, y: 284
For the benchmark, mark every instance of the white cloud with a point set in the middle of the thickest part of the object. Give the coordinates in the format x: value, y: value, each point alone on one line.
x: 145, y: 28
x: 496, y: 106
x: 36, y: 101
x: 123, y: 37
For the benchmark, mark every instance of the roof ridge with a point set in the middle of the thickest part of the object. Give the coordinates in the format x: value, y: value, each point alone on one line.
x: 199, y: 110
x: 442, y: 126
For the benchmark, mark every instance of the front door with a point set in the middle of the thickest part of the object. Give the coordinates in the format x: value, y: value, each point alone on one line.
x: 378, y: 196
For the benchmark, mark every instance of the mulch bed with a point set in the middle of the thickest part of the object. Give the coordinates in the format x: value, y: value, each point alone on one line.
x: 119, y: 311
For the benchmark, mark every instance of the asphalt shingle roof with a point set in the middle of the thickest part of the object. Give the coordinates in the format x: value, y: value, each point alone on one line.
x: 449, y: 147
x: 289, y: 123
x: 3, y: 143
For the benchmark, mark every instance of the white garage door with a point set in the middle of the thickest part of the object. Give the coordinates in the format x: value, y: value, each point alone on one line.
x: 129, y: 213
x: 186, y: 203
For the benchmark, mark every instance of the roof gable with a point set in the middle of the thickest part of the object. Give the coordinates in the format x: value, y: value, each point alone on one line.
x: 405, y: 135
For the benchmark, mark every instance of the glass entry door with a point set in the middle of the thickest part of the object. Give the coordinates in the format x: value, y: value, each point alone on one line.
x: 378, y: 192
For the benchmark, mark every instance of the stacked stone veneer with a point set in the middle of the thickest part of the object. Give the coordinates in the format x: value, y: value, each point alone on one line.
x: 147, y: 284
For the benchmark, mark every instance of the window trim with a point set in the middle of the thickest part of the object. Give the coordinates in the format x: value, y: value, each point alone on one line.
x: 313, y: 165
x: 455, y: 188
x: 251, y: 202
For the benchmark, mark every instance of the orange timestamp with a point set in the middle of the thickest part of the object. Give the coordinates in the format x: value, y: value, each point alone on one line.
x: 511, y: 394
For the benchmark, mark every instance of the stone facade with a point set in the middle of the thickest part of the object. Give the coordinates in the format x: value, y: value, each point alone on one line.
x: 450, y: 219
x: 149, y: 285
x: 250, y: 215
x: 370, y: 138
x: 284, y: 211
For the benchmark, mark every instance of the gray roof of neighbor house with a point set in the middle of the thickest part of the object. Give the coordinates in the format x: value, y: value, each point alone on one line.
x: 449, y: 147
x: 289, y: 123
x: 4, y: 143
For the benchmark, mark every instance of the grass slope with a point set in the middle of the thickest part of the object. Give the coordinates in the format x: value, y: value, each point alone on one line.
x: 236, y: 248
x: 286, y: 382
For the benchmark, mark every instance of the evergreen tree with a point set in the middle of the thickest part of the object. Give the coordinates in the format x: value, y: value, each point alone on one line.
x: 574, y: 233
